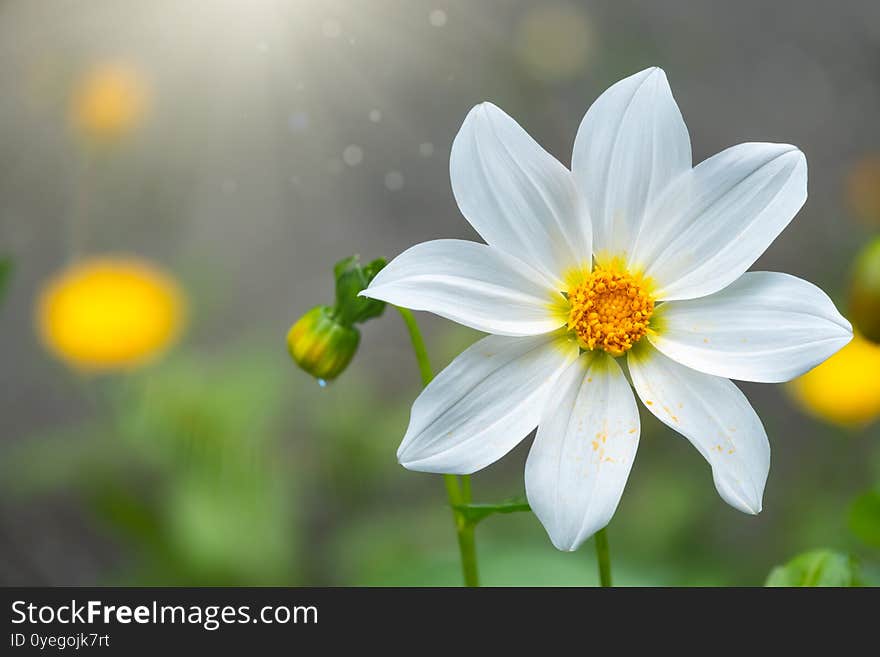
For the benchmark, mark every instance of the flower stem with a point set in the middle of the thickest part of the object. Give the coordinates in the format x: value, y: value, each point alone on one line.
x: 603, y: 556
x: 458, y: 489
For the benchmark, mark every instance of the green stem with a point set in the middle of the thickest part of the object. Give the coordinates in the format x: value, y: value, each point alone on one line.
x: 458, y: 489
x: 603, y: 556
x: 467, y: 547
x: 418, y: 345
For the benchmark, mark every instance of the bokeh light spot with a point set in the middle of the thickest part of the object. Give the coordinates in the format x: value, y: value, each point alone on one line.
x: 394, y: 181
x: 437, y: 18
x: 353, y: 155
x: 298, y: 122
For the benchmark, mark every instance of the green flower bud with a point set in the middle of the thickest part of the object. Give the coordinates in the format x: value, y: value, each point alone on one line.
x: 864, y: 303
x: 321, y: 345
x: 324, y: 340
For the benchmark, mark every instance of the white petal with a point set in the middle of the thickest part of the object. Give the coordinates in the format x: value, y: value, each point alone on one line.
x: 631, y: 144
x: 715, y: 416
x: 765, y: 327
x: 716, y: 220
x: 472, y: 284
x: 483, y: 404
x: 582, y: 455
x: 517, y: 196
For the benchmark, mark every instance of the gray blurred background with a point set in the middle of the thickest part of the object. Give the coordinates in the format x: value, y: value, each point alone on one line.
x: 283, y: 135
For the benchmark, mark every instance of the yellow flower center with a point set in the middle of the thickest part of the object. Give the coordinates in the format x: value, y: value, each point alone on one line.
x: 610, y: 310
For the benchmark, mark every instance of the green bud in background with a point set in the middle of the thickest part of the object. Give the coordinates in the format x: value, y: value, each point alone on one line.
x: 324, y: 340
x: 864, y: 300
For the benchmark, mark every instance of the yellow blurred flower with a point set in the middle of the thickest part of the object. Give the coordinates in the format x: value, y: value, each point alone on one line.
x: 109, y: 101
x: 845, y: 389
x: 110, y: 313
x: 863, y: 189
x: 553, y: 41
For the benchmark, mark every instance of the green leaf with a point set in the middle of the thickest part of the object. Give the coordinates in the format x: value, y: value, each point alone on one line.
x: 474, y: 513
x: 816, y: 568
x: 351, y: 279
x: 5, y: 274
x: 864, y: 518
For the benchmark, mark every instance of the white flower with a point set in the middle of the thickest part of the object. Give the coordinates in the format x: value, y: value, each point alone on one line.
x: 633, y: 253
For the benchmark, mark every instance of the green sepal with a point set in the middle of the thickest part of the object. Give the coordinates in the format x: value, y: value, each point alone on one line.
x: 351, y: 279
x: 474, y: 513
x: 817, y: 568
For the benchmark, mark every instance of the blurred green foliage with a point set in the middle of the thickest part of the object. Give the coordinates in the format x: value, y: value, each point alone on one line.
x: 817, y: 568
x: 5, y: 274
x: 181, y: 466
x: 864, y: 518
x: 231, y: 467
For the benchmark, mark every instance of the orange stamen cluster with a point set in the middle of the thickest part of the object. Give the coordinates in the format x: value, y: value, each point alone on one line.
x: 610, y: 310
